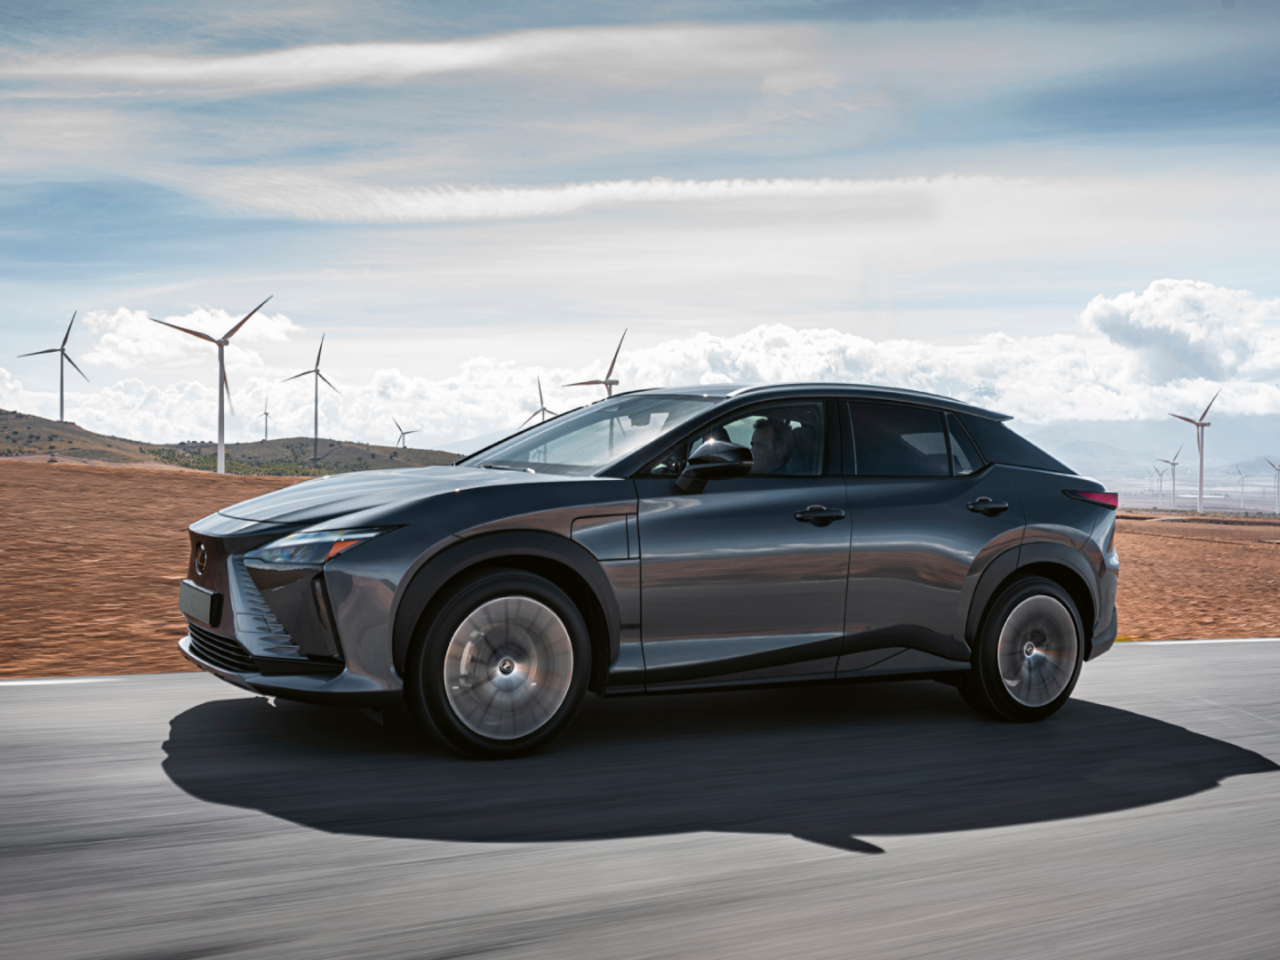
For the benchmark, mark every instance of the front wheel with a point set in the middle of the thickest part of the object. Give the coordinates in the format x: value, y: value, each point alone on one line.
x: 502, y: 665
x: 1029, y: 652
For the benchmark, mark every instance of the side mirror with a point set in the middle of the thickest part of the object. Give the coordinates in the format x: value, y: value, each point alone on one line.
x: 714, y: 460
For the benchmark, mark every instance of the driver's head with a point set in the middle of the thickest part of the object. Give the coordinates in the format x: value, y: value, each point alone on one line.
x: 770, y: 446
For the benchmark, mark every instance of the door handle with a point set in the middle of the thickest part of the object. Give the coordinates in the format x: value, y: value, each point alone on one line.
x: 819, y: 515
x: 987, y: 506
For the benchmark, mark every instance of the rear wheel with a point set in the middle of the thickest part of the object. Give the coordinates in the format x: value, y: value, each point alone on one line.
x: 501, y: 667
x: 1029, y: 652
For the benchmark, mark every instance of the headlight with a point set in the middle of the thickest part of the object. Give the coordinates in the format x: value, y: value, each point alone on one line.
x: 315, y: 547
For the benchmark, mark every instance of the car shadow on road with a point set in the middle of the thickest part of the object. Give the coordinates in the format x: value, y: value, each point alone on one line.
x: 826, y: 764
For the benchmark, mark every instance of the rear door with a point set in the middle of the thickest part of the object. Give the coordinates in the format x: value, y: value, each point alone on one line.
x: 927, y: 515
x: 741, y: 582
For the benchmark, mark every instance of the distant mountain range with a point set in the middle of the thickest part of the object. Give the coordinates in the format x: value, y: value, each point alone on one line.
x: 23, y: 435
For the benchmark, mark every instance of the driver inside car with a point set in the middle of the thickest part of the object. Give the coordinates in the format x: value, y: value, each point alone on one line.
x: 771, y: 446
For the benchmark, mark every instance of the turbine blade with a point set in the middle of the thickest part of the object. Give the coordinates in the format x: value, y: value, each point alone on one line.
x: 1206, y: 409
x: 615, y: 355
x: 326, y: 380
x: 78, y: 370
x: 38, y: 352
x: 227, y: 384
x: 407, y: 432
x: 232, y: 332
x: 68, y: 333
x: 304, y: 373
x: 1188, y: 419
x: 320, y: 351
x: 1175, y: 456
x: 541, y: 402
x: 1273, y: 466
x: 194, y: 333
x: 397, y: 423
x: 531, y: 416
x: 586, y: 383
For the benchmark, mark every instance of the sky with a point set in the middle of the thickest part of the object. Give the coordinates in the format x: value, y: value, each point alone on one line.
x: 1064, y: 211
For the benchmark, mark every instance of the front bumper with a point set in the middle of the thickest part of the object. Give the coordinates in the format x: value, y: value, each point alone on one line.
x: 345, y: 689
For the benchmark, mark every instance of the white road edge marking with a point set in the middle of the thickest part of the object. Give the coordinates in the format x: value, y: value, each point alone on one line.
x: 1181, y: 643
x: 50, y: 680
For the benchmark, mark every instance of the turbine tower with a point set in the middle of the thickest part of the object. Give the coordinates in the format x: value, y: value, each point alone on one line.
x: 1240, y: 482
x: 1160, y: 490
x: 1173, y: 478
x: 608, y: 382
x: 63, y: 360
x: 403, y: 432
x: 1199, y: 425
x: 542, y: 404
x: 315, y: 441
x: 266, y: 416
x: 1277, y: 483
x: 224, y: 388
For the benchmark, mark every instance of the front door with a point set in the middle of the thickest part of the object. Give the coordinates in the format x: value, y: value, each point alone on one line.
x: 926, y: 516
x: 745, y: 581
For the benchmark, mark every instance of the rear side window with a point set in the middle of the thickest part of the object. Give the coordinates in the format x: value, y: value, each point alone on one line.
x: 892, y: 440
x: 999, y: 444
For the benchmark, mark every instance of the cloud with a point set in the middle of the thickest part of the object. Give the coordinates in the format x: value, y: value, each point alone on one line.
x: 128, y: 339
x: 1039, y: 380
x: 1188, y: 328
x: 312, y: 198
x: 786, y: 57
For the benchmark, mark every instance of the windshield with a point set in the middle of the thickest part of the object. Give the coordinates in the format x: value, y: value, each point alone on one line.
x: 585, y: 440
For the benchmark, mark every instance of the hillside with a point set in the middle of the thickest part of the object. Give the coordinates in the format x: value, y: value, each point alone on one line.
x: 29, y: 437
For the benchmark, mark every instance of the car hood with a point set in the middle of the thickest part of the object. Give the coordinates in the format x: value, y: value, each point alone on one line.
x: 323, y: 498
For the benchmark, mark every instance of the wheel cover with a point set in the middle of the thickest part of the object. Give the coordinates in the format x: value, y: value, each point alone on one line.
x: 1038, y: 650
x: 508, y: 667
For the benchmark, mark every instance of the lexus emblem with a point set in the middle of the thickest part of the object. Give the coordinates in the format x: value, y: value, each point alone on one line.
x: 202, y: 559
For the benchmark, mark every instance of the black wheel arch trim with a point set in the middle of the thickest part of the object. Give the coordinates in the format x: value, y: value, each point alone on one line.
x: 528, y: 549
x: 1049, y: 559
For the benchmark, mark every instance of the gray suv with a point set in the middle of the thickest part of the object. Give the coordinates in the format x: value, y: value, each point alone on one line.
x: 667, y: 540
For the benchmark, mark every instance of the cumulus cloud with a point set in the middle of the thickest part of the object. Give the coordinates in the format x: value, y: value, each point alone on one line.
x: 128, y: 339
x: 785, y: 57
x: 1188, y: 328
x: 1106, y: 373
x: 313, y: 198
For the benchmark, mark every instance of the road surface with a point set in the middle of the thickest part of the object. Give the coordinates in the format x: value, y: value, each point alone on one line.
x: 171, y: 817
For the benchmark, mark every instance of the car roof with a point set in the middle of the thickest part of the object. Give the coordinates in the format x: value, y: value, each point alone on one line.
x: 768, y: 391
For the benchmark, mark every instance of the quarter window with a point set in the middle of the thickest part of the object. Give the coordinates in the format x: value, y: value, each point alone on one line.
x: 965, y: 458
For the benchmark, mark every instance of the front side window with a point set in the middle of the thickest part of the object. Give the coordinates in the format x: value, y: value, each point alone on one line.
x: 584, y: 441
x: 895, y: 440
x: 786, y: 439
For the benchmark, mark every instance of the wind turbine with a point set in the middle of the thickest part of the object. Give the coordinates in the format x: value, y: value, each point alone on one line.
x: 315, y: 442
x: 1199, y: 425
x: 224, y: 388
x: 266, y: 416
x: 1160, y: 493
x: 403, y: 432
x: 608, y: 382
x: 63, y: 360
x: 1240, y: 483
x: 1173, y: 477
x: 1277, y: 479
x: 542, y: 404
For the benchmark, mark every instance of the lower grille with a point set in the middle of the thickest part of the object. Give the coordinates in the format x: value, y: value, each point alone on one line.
x: 220, y: 651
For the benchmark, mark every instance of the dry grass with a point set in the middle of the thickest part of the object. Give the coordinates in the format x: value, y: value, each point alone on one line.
x: 92, y: 556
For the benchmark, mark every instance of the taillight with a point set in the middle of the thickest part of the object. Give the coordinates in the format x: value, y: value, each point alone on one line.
x: 1108, y: 500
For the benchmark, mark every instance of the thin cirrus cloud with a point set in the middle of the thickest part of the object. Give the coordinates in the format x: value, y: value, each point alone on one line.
x: 786, y: 57
x: 313, y: 198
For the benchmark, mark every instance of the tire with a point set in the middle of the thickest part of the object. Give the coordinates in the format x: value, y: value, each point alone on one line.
x: 501, y: 666
x: 1029, y: 652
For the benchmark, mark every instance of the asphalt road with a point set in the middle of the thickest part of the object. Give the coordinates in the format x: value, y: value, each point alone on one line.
x: 173, y: 818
